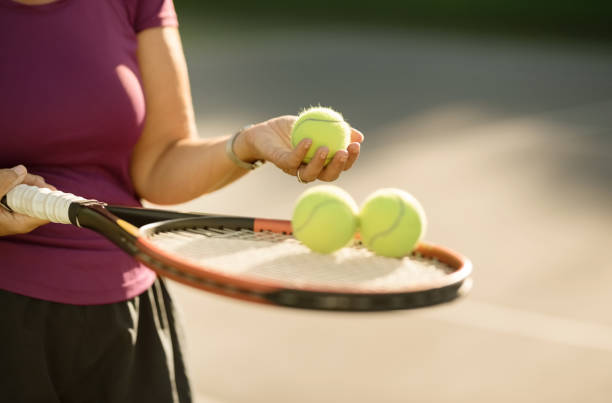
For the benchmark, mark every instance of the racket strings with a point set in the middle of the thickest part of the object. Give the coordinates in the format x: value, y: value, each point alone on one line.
x: 281, y: 258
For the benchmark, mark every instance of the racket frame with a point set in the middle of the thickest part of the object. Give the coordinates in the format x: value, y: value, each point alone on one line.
x: 253, y: 289
x: 112, y: 222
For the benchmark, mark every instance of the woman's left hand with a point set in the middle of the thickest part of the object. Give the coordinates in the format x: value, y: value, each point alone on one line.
x: 271, y: 141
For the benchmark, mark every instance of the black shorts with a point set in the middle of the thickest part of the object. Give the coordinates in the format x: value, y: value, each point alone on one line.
x: 123, y: 352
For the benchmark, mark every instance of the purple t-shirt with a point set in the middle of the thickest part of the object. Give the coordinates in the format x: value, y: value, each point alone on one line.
x: 71, y: 110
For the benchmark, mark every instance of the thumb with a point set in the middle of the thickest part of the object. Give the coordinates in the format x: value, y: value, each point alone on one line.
x: 9, y: 178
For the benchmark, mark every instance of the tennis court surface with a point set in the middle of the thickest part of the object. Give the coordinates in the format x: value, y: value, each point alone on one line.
x: 508, y: 145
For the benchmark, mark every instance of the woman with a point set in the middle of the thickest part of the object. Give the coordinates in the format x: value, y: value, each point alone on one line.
x: 95, y: 101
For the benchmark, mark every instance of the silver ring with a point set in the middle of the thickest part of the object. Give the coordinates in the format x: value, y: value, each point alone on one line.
x: 298, y: 177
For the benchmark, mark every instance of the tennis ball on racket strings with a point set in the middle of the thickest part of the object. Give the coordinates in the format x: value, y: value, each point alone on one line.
x: 325, y: 218
x: 392, y: 222
x: 325, y: 127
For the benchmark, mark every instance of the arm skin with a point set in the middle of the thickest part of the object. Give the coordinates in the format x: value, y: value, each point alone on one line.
x: 170, y: 164
x: 169, y: 155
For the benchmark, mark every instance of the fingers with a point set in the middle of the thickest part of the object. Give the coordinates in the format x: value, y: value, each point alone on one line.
x: 35, y: 180
x: 292, y: 161
x: 356, y: 136
x: 342, y: 160
x: 353, y: 153
x: 13, y: 223
x: 316, y: 168
x: 9, y: 178
x: 333, y: 170
x: 313, y: 169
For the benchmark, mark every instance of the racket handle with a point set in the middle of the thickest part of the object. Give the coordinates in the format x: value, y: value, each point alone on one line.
x: 41, y: 203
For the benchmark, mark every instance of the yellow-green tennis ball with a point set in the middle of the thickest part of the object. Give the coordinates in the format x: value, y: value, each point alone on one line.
x: 392, y: 222
x: 325, y: 218
x: 325, y: 127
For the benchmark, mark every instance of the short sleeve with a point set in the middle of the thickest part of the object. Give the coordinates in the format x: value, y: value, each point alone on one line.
x: 155, y: 13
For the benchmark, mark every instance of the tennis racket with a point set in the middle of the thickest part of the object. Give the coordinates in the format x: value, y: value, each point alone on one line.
x: 256, y: 259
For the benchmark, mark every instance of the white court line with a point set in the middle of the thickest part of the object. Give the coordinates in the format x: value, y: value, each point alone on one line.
x: 528, y: 324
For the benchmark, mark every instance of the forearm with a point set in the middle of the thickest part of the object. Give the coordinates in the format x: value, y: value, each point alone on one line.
x: 189, y: 168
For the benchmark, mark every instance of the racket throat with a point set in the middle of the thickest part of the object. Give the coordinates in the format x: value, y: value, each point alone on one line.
x: 94, y: 215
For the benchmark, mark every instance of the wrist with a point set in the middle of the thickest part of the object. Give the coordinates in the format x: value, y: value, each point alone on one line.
x: 240, y: 150
x: 243, y: 145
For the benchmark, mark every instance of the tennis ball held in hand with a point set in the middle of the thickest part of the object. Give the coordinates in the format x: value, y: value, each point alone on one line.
x: 325, y: 218
x: 392, y: 222
x: 325, y: 127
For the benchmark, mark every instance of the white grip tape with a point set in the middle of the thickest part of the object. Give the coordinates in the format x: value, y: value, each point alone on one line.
x: 41, y: 203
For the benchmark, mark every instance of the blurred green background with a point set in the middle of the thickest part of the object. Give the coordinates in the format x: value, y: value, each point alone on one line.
x: 592, y: 19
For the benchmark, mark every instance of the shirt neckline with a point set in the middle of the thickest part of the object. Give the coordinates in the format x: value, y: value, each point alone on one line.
x: 33, y: 7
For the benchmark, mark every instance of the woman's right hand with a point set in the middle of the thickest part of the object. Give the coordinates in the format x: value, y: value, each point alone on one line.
x: 14, y: 223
